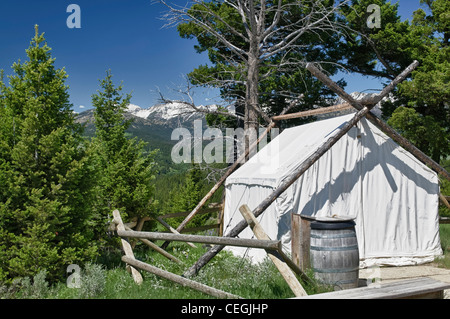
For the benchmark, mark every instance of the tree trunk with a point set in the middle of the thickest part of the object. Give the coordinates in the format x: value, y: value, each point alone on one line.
x: 251, y: 99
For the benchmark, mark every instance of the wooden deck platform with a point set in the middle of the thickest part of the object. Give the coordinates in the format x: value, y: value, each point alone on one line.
x: 417, y: 288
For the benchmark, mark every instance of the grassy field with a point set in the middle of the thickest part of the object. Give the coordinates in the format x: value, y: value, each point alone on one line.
x: 108, y: 279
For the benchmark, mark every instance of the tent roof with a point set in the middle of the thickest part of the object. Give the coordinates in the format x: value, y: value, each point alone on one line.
x: 289, y: 149
x: 284, y: 152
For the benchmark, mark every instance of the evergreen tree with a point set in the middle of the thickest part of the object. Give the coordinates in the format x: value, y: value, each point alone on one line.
x: 126, y: 170
x: 44, y: 172
x: 187, y: 195
x: 428, y: 93
x: 384, y: 52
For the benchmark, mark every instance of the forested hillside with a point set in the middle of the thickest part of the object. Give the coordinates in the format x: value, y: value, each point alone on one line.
x: 172, y: 181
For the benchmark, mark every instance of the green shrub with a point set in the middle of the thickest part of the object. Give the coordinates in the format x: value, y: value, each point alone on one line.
x: 36, y: 289
x: 93, y: 281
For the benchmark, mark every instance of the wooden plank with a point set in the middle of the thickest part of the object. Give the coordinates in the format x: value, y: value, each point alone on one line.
x: 318, y: 111
x: 126, y: 246
x: 300, y: 250
x: 179, y: 280
x: 284, y: 270
x: 305, y: 239
x: 406, y: 289
x: 239, y: 242
x: 295, y: 239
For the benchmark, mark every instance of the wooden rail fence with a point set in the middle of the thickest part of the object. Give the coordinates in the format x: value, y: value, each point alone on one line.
x: 274, y: 248
x: 215, y: 207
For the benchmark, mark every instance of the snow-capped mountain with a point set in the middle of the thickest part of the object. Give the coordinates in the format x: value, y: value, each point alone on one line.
x: 173, y: 114
x: 137, y: 111
x: 177, y: 114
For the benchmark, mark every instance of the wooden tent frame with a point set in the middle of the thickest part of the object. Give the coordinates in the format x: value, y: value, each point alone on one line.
x: 363, y: 108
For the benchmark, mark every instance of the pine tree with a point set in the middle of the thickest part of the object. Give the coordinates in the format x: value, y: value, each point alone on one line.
x: 186, y: 197
x: 127, y: 171
x: 428, y: 93
x: 45, y: 172
x: 420, y: 110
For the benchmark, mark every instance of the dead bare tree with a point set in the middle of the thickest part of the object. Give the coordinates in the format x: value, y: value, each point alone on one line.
x: 253, y: 34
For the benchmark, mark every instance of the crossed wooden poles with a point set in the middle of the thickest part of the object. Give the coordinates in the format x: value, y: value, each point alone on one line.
x: 284, y: 263
x: 364, y: 109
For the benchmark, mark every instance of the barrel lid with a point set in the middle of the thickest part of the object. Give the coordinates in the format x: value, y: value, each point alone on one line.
x: 333, y: 225
x: 334, y: 218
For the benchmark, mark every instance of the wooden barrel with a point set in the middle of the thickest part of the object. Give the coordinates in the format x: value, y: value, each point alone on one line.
x: 334, y: 253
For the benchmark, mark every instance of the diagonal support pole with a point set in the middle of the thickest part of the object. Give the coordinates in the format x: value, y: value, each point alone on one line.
x: 230, y: 170
x: 185, y: 282
x: 338, y: 133
x: 281, y: 265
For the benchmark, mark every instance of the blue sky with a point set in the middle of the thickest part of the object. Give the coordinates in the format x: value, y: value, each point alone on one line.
x: 125, y: 36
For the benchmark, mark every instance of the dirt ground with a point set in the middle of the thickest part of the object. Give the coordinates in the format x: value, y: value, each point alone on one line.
x: 389, y: 274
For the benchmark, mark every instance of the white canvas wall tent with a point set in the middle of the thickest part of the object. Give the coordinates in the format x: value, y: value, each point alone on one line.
x: 392, y: 196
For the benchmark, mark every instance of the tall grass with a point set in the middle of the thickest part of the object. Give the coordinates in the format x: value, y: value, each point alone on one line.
x: 108, y: 278
x: 111, y: 281
x: 445, y: 243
